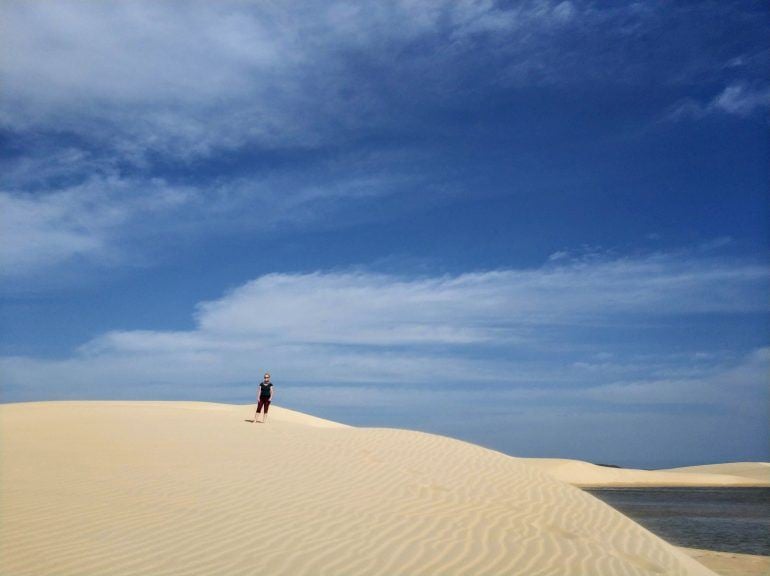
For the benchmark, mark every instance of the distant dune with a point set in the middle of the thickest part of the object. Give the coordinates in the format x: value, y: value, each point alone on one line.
x: 753, y: 471
x: 730, y: 563
x: 582, y: 473
x: 162, y: 488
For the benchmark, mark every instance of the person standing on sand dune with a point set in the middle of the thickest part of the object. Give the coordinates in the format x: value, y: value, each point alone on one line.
x: 265, y: 397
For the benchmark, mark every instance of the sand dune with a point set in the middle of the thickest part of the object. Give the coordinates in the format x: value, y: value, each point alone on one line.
x: 190, y: 488
x: 582, y: 473
x: 754, y: 471
x: 731, y: 563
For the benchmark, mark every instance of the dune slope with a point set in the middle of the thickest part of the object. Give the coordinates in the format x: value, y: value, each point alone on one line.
x: 752, y: 471
x: 192, y: 488
x: 582, y: 473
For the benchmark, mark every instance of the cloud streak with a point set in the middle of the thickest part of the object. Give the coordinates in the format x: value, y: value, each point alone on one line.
x: 182, y: 80
x: 112, y: 219
x: 187, y: 80
x: 78, y: 222
x: 365, y: 327
x: 114, y: 109
x: 737, y: 99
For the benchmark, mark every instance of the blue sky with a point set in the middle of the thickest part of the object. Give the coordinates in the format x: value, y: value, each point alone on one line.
x: 539, y: 226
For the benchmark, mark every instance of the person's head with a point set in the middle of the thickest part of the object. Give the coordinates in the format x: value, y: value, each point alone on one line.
x: 267, y: 376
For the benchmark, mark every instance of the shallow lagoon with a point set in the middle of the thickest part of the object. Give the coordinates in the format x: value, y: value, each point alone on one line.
x: 725, y: 519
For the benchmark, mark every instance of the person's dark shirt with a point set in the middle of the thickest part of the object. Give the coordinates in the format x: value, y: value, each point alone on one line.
x: 265, y: 389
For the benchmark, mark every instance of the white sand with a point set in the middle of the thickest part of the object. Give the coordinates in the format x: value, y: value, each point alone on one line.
x: 582, y: 473
x: 90, y: 488
x: 754, y: 471
x: 730, y: 563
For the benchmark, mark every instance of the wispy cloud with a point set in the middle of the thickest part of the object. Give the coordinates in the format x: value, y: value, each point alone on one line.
x: 78, y: 222
x: 364, y: 308
x: 181, y: 80
x: 110, y: 219
x: 742, y: 100
x: 739, y: 388
x: 186, y: 80
x: 738, y: 99
x: 361, y: 327
x: 99, y: 98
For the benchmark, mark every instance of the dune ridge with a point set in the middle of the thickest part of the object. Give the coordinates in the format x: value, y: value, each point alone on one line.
x: 753, y: 471
x: 192, y: 488
x: 579, y: 473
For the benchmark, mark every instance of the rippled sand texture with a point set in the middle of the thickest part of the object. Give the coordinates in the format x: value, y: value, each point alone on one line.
x: 191, y: 488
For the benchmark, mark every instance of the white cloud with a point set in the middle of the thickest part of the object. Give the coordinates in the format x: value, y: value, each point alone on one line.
x: 558, y: 255
x: 741, y: 100
x: 740, y: 388
x: 506, y: 327
x: 186, y: 79
x: 183, y: 78
x: 498, y: 306
x: 77, y: 222
x: 126, y: 84
x: 737, y: 99
x: 109, y: 219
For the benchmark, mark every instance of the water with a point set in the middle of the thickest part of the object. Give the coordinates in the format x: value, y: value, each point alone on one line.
x: 724, y: 519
